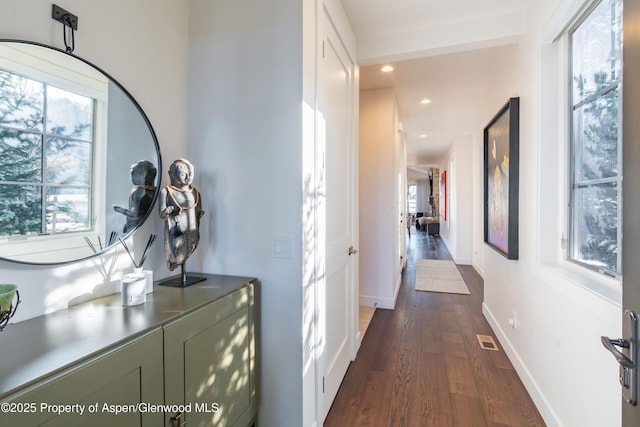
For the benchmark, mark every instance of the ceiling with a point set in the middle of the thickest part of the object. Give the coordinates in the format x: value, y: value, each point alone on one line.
x: 443, y: 51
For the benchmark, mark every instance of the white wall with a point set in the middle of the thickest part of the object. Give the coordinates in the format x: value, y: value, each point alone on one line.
x: 555, y: 346
x: 378, y: 220
x: 455, y: 231
x: 245, y: 133
x: 147, y: 54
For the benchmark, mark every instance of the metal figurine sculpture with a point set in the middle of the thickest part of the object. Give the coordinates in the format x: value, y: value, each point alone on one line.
x: 143, y: 177
x: 181, y: 208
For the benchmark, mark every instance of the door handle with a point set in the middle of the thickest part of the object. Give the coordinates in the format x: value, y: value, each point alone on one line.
x: 352, y: 251
x: 628, y: 363
x: 609, y: 344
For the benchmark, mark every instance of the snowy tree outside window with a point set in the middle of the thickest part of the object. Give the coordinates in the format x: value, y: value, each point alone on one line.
x: 596, y: 147
x: 46, y: 137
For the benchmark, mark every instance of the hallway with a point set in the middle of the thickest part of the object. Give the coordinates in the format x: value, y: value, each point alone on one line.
x: 421, y: 364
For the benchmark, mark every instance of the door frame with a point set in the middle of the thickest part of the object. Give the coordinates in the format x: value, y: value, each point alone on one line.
x: 313, y: 18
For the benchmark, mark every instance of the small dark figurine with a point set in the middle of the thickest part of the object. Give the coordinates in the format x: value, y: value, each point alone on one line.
x: 143, y: 177
x: 181, y: 208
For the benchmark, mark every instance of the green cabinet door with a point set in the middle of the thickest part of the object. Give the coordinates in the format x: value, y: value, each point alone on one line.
x: 210, y: 363
x: 116, y: 387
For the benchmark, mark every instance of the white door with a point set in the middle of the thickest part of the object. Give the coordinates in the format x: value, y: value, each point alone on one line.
x: 631, y: 205
x: 336, y: 121
x: 625, y: 349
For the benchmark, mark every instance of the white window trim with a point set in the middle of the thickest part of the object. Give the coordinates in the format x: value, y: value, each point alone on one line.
x: 554, y: 133
x: 88, y: 82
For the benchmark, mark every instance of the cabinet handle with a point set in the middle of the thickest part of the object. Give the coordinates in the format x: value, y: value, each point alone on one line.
x: 177, y: 422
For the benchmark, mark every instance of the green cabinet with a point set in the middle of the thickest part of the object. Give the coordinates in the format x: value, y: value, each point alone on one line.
x: 104, y: 390
x: 187, y: 357
x: 210, y: 363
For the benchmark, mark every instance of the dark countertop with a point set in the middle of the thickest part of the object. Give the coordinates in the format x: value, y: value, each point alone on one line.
x: 46, y: 344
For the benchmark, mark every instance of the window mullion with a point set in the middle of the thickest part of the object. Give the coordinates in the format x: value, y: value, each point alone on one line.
x: 43, y: 163
x: 594, y: 182
x: 598, y: 94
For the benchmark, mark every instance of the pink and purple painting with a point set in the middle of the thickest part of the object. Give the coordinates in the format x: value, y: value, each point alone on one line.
x: 498, y: 183
x: 501, y: 180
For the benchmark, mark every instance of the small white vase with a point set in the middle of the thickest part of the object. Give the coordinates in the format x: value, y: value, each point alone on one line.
x: 134, y: 289
x: 148, y: 274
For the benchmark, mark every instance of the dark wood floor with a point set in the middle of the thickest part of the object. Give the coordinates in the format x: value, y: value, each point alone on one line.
x: 421, y: 364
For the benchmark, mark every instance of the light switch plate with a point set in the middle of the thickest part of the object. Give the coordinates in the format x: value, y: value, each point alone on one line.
x: 282, y: 246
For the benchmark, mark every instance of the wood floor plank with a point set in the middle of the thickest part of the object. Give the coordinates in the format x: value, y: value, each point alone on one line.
x: 453, y: 345
x: 432, y: 409
x: 468, y: 412
x: 495, y: 396
x: 430, y: 334
x: 521, y: 401
x: 374, y: 405
x: 460, y: 374
x: 432, y: 369
x: 421, y: 364
x: 402, y: 387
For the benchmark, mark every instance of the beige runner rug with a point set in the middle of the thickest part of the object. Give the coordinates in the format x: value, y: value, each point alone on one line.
x: 434, y: 275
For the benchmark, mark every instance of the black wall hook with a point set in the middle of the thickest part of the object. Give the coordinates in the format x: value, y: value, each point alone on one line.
x: 69, y: 21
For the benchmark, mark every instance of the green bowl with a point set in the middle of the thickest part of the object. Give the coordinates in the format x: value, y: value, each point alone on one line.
x: 7, y: 294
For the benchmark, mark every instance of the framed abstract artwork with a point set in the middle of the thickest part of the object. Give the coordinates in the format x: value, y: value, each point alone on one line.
x: 501, y: 153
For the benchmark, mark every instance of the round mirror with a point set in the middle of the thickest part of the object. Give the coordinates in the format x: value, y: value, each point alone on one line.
x: 80, y: 163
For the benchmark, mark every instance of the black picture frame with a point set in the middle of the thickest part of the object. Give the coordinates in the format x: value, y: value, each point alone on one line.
x: 501, y: 179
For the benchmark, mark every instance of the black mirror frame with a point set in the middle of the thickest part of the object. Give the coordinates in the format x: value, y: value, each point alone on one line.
x: 153, y: 137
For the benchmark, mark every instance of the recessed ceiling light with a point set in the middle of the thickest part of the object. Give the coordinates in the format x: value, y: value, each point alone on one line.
x: 425, y: 101
x: 424, y: 135
x: 386, y: 69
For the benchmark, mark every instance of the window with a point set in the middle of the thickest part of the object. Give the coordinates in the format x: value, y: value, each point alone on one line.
x: 596, y: 142
x: 46, y: 143
x: 411, y: 198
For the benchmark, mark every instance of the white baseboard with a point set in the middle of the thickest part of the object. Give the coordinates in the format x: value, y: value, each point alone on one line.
x: 396, y: 290
x: 546, y: 411
x: 479, y: 269
x: 357, y: 344
x: 445, y: 240
x: 370, y: 301
x: 379, y: 302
